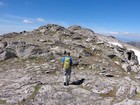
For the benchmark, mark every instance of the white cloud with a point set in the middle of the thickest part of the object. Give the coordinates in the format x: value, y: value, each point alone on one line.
x: 126, y: 33
x: 40, y: 20
x: 114, y: 33
x: 27, y: 21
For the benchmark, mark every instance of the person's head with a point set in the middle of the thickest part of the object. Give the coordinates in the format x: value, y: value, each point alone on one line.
x: 68, y: 53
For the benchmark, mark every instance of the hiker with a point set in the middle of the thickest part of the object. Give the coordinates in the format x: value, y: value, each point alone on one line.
x: 66, y: 67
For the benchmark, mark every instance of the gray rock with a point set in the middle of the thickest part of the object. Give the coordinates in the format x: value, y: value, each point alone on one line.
x: 89, y: 39
x: 81, y: 92
x: 62, y: 95
x: 101, y: 87
x: 121, y: 93
x: 74, y: 27
x: 133, y: 92
x: 28, y: 51
x: 3, y: 45
x: 7, y: 54
x: 14, y: 44
x: 51, y: 27
x: 126, y: 67
x: 80, y: 30
x: 128, y: 102
x: 132, y: 58
x: 106, y: 101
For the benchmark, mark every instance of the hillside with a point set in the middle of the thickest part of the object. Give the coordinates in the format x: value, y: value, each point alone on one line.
x: 105, y: 70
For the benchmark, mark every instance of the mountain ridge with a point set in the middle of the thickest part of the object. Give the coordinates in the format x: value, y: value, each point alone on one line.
x: 30, y: 68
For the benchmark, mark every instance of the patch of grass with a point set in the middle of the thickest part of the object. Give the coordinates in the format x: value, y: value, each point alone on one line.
x: 133, y: 75
x: 88, y: 49
x: 39, y: 33
x: 36, y: 89
x: 21, y: 103
x: 32, y: 96
x: 116, y: 59
x: 138, y: 95
x: 2, y: 101
x: 110, y: 94
x: 97, y: 52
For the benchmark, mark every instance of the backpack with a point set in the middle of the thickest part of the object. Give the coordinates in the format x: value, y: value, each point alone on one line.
x: 67, y: 63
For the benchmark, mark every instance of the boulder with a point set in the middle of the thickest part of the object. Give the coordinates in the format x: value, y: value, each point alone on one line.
x: 51, y: 27
x: 126, y: 67
x: 7, y: 54
x: 89, y: 39
x: 28, y: 51
x: 131, y: 58
x: 80, y: 30
x: 55, y: 27
x: 74, y: 27
x: 121, y: 93
x: 3, y: 44
x: 14, y: 44
x: 87, y: 52
x: 132, y: 92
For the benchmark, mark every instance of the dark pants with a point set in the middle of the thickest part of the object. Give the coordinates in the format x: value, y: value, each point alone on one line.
x: 67, y: 75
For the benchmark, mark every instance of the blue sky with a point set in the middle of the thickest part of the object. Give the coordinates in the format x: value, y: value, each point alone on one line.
x: 120, y: 18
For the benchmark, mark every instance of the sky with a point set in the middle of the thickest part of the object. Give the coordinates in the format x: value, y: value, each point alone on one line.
x: 119, y: 18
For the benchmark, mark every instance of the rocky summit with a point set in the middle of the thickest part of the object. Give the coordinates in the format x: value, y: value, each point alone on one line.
x: 105, y: 70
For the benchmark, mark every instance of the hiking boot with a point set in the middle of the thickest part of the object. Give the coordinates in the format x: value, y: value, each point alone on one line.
x: 66, y: 84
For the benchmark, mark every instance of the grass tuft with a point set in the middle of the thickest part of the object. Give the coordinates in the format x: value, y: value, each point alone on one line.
x: 2, y: 101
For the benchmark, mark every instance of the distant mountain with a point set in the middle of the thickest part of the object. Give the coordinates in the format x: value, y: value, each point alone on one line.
x: 127, y: 38
x: 136, y: 44
x: 124, y: 39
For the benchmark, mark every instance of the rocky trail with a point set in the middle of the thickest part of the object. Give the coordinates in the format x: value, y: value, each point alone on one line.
x: 28, y: 82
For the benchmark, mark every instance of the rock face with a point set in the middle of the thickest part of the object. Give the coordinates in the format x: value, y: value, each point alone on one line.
x: 7, y: 54
x: 105, y: 71
x: 3, y: 45
x: 80, y: 30
x: 28, y: 51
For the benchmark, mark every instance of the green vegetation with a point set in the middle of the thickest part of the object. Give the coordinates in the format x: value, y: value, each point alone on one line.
x: 36, y: 89
x: 2, y: 101
x: 88, y: 49
x: 116, y: 59
x: 138, y: 95
x: 110, y: 94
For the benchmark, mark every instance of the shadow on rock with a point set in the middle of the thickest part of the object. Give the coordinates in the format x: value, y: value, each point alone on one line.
x: 78, y: 82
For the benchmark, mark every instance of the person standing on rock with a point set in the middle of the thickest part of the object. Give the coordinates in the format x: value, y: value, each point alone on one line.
x: 66, y: 66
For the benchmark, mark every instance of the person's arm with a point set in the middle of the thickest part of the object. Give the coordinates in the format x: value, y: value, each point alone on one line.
x: 71, y: 61
x: 62, y: 64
